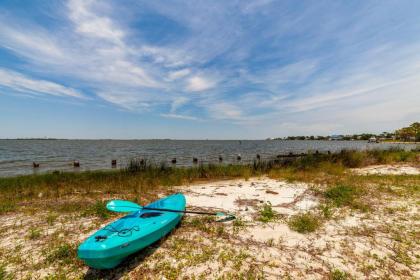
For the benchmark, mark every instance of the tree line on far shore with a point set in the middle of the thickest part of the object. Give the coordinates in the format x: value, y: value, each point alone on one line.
x: 410, y: 133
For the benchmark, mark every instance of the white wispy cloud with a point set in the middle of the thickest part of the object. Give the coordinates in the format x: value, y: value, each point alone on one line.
x: 182, y: 117
x: 199, y: 83
x: 222, y: 111
x: 178, y: 102
x: 174, y: 75
x: 34, y: 44
x: 90, y: 24
x: 21, y: 83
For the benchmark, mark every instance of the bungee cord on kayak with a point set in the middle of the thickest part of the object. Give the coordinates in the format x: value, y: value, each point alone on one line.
x: 150, y: 223
x: 122, y: 232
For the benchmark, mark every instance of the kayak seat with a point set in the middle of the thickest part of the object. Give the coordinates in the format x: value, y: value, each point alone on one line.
x: 100, y: 238
x: 151, y: 214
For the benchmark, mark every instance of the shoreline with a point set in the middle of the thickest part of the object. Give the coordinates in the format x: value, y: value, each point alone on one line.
x: 77, y: 157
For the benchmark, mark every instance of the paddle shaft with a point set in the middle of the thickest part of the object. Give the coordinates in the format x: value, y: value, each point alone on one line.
x: 179, y: 211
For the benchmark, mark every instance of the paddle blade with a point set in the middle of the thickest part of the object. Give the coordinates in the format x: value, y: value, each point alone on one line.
x: 226, y: 217
x: 122, y: 206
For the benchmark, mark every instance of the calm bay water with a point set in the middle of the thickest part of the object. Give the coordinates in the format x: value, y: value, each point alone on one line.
x: 16, y: 156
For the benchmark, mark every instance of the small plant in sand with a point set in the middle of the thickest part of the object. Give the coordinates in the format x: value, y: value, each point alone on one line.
x: 304, y: 223
x: 346, y: 195
x: 238, y: 224
x: 337, y: 274
x: 98, y: 209
x: 33, y: 234
x: 51, y: 218
x: 7, y: 206
x: 64, y: 253
x: 326, y: 210
x: 342, y: 195
x: 4, y: 275
x: 267, y: 214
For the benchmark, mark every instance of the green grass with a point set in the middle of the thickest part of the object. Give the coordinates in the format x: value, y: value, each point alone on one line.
x: 143, y: 180
x: 342, y: 195
x: 51, y: 218
x: 6, y: 207
x: 98, y: 209
x: 4, y: 275
x: 337, y: 274
x: 34, y: 234
x: 304, y: 223
x: 266, y: 213
x: 65, y: 253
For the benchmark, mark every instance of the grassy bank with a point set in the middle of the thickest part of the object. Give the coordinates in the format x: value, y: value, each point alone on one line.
x: 140, y: 180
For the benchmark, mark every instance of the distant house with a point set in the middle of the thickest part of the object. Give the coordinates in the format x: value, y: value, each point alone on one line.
x: 336, y: 137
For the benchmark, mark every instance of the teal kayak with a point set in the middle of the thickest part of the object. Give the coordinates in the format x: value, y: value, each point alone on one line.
x: 110, y: 245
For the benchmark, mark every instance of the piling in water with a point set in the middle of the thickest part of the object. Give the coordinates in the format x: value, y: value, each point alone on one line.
x: 113, y: 162
x: 238, y: 157
x: 258, y: 156
x: 76, y: 163
x: 220, y: 158
x: 173, y: 160
x: 35, y: 165
x: 195, y: 160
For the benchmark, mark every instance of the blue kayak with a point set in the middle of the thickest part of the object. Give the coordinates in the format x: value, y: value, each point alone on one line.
x: 110, y: 245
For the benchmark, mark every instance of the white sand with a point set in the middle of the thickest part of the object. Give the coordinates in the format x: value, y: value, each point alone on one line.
x: 388, y: 170
x: 244, y: 197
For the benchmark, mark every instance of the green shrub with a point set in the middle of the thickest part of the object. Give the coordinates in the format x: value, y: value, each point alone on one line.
x: 326, y: 210
x: 304, y: 223
x: 51, y: 218
x: 98, y: 209
x: 266, y: 213
x: 351, y: 159
x: 337, y: 274
x: 34, y: 233
x: 64, y: 253
x: 341, y: 195
x: 4, y: 275
x: 6, y: 206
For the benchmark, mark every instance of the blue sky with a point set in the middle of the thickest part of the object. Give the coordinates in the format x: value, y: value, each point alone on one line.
x: 207, y: 69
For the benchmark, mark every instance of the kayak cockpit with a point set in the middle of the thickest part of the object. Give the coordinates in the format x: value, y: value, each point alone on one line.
x: 110, y: 245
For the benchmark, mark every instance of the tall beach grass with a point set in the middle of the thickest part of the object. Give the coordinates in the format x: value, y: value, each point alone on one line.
x: 146, y: 177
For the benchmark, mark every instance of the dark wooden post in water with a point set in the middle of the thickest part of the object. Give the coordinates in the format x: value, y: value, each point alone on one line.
x: 238, y: 157
x: 258, y: 156
x: 220, y: 158
x: 195, y: 160
x: 114, y: 163
x: 76, y: 163
x: 173, y: 160
x: 35, y: 165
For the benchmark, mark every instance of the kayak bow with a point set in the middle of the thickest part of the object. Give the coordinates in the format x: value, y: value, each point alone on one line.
x: 110, y: 245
